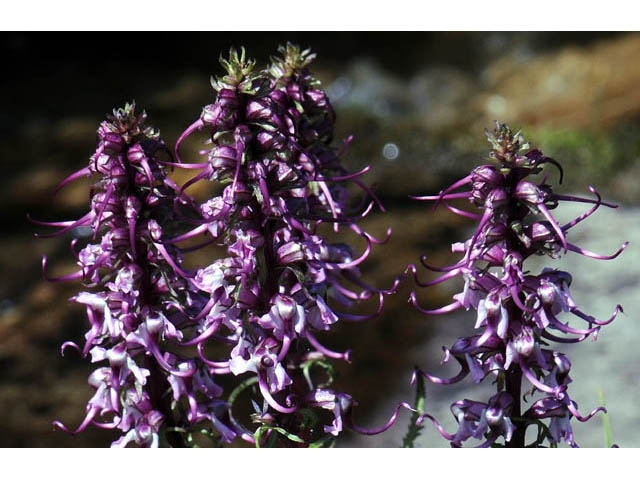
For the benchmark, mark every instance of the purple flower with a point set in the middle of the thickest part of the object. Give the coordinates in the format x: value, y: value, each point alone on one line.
x: 137, y: 308
x: 270, y: 145
x: 516, y: 311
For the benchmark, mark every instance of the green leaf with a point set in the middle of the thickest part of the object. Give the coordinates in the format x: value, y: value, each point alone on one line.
x: 328, y: 368
x: 606, y: 424
x: 267, y: 127
x: 261, y: 266
x: 266, y: 428
x: 309, y: 418
x: 328, y: 441
x: 258, y: 194
x: 241, y: 388
x: 313, y: 188
x: 414, y: 430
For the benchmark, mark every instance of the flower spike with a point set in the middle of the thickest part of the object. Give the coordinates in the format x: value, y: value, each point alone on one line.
x: 516, y: 311
x: 137, y: 283
x: 270, y: 146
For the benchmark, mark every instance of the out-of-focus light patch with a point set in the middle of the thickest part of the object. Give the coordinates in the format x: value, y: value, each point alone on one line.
x: 381, y: 108
x: 390, y: 151
x: 6, y: 304
x: 496, y: 105
x: 556, y: 84
x: 340, y: 87
x: 82, y: 232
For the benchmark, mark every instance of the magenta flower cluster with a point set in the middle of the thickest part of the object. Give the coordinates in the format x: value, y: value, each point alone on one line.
x: 516, y: 311
x: 235, y: 349
x: 269, y: 136
x: 137, y: 298
x: 162, y: 333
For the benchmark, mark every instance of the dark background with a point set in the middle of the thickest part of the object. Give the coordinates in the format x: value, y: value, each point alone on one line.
x: 430, y: 94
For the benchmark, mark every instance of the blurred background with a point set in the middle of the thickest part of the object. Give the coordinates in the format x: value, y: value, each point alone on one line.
x: 417, y: 105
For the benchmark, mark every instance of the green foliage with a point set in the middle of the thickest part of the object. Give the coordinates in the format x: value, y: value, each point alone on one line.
x: 606, y: 155
x: 272, y: 439
x: 414, y: 429
x: 292, y: 60
x: 324, y: 365
x: 240, y: 73
x: 606, y: 424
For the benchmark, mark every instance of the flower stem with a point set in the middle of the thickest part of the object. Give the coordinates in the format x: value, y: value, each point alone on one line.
x: 513, y: 385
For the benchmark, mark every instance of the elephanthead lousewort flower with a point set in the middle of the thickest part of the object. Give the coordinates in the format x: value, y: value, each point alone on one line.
x: 516, y: 311
x: 158, y: 330
x: 283, y: 283
x: 137, y: 305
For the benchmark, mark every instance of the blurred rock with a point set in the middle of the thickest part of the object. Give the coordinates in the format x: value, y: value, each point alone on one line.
x: 575, y: 87
x: 73, y: 130
x: 366, y: 86
x: 440, y: 96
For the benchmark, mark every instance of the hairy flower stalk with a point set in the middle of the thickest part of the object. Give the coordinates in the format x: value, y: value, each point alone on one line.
x: 137, y: 304
x: 516, y: 311
x: 270, y: 135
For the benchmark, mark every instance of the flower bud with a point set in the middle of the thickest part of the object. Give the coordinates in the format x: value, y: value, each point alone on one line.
x: 132, y: 208
x: 524, y: 342
x: 493, y: 303
x: 495, y: 255
x: 212, y: 208
x: 285, y: 173
x: 113, y: 143
x: 495, y: 232
x: 242, y: 193
x: 99, y: 377
x: 211, y: 113
x: 494, y: 416
x: 267, y: 141
x: 136, y: 154
x: 286, y: 306
x: 294, y: 91
x: 306, y: 163
x: 487, y: 174
x: 223, y: 114
x: 540, y: 232
x: 318, y: 97
x: 101, y: 163
x: 155, y: 322
x: 258, y: 110
x: 154, y: 229
x: 496, y: 198
x: 513, y: 260
x: 562, y: 362
x: 222, y: 156
x: 228, y: 98
x: 528, y: 192
x: 104, y: 129
x: 316, y: 249
x: 547, y: 292
x: 127, y: 278
x: 117, y: 355
x: 290, y: 252
x: 322, y: 398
